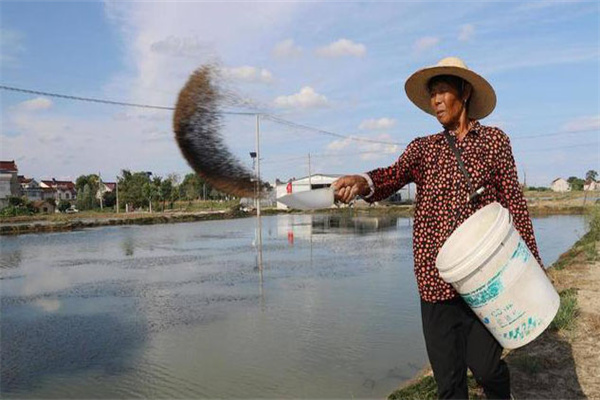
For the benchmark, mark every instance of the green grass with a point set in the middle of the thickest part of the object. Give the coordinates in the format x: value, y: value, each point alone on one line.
x: 567, y: 312
x: 586, y: 246
x: 426, y: 389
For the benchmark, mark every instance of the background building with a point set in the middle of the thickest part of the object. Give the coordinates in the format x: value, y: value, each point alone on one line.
x: 9, y: 182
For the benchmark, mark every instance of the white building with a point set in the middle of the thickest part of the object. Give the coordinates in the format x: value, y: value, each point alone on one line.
x: 591, y: 185
x: 62, y: 190
x: 560, y: 185
x: 9, y: 182
x: 31, y: 189
x: 315, y: 181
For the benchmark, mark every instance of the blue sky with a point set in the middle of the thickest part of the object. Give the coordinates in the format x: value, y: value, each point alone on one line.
x: 336, y: 66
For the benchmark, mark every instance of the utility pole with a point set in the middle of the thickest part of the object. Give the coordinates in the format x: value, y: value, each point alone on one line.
x: 260, y: 260
x: 309, y: 174
x: 117, y: 186
x: 100, y: 190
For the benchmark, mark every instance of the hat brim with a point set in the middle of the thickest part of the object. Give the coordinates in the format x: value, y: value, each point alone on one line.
x: 483, y: 96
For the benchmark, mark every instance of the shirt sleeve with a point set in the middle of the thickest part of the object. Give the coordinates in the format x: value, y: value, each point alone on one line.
x: 387, y: 181
x: 511, y: 195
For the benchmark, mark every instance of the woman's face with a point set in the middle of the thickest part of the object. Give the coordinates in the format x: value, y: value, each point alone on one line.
x: 446, y: 103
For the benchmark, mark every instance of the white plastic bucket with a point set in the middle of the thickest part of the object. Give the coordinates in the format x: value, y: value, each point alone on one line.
x: 491, y: 267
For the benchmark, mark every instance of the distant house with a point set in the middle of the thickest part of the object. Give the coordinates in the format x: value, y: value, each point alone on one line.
x: 560, y: 185
x: 44, y: 207
x: 31, y: 189
x: 9, y: 182
x: 61, y: 190
x: 105, y: 187
x: 591, y: 185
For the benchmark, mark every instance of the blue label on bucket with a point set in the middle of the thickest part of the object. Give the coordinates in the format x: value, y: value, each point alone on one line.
x: 492, y: 288
x: 486, y: 293
x: 522, y: 252
x: 522, y: 330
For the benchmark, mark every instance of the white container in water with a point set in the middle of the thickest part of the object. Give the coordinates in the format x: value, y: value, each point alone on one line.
x: 491, y: 267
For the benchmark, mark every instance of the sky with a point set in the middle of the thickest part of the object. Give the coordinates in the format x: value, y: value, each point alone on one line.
x: 339, y: 67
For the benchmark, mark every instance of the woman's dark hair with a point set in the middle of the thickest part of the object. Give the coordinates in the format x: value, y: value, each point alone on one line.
x: 456, y: 82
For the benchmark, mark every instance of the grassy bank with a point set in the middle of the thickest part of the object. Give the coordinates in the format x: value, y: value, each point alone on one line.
x: 92, y: 221
x: 556, y: 204
x: 555, y: 365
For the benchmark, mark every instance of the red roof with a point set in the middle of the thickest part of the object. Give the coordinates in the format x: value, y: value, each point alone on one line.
x: 24, y: 180
x: 8, y: 166
x: 111, y: 185
x: 62, y: 185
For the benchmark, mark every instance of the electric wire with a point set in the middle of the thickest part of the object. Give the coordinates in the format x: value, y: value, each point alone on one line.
x: 276, y: 119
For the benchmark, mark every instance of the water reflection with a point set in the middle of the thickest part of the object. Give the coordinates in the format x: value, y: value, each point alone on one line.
x: 298, y: 227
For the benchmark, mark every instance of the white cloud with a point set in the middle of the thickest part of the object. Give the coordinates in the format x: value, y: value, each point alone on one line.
x: 306, y: 98
x: 178, y: 46
x: 286, y: 49
x: 248, y: 74
x: 425, y: 43
x: 583, y: 124
x: 341, y: 48
x: 466, y: 32
x: 375, y: 124
x: 363, y: 149
x: 39, y: 103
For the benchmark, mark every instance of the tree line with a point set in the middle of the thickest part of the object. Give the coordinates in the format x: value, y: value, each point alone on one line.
x: 142, y: 189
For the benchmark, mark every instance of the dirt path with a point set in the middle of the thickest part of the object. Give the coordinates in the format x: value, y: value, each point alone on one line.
x: 586, y: 339
x: 565, y: 364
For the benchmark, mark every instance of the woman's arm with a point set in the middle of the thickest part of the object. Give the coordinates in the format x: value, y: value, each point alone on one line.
x: 387, y: 181
x: 511, y: 196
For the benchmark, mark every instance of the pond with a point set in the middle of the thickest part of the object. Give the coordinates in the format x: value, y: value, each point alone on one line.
x: 183, y: 311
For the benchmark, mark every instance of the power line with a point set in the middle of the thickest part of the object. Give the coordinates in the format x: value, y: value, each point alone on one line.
x: 270, y: 117
x: 103, y: 101
x: 147, y: 106
x: 324, y: 132
x: 555, y: 133
x: 560, y: 147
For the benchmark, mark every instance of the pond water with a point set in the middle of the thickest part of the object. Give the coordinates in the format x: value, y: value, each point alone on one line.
x: 183, y: 311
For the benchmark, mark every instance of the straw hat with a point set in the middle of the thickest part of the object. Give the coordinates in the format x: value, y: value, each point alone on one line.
x: 483, y: 97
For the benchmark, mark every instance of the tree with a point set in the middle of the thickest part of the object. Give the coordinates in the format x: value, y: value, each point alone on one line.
x: 150, y: 192
x: 93, y: 182
x: 166, y: 192
x: 63, y: 205
x: 576, y: 183
x: 131, y: 188
x: 110, y: 199
x: 591, y: 175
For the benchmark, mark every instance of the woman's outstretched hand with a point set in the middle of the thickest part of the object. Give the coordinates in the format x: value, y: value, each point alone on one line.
x: 348, y: 187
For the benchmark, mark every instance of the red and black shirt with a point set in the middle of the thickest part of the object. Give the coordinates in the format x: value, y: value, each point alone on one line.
x: 442, y: 193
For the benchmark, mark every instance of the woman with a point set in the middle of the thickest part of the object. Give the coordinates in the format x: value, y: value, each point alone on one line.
x: 447, y: 194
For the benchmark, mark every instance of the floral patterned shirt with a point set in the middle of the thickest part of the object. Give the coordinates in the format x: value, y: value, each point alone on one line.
x: 442, y: 192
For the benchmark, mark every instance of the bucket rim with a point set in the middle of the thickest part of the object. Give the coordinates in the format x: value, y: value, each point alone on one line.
x: 480, y: 251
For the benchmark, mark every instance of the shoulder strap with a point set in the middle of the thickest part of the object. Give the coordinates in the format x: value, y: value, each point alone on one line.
x: 461, y: 166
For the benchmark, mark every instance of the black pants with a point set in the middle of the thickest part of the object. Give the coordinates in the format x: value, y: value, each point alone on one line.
x: 455, y: 340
